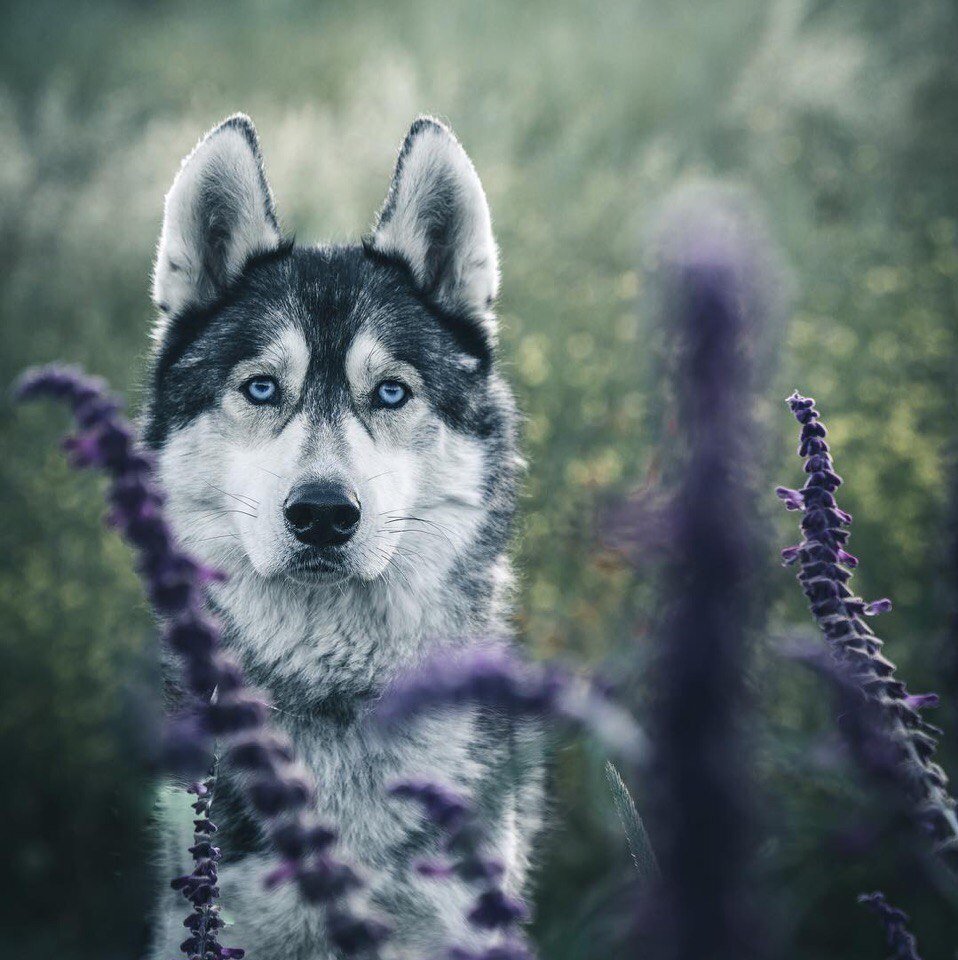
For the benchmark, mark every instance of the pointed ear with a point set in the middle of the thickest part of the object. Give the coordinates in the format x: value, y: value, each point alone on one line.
x: 436, y: 219
x: 218, y: 213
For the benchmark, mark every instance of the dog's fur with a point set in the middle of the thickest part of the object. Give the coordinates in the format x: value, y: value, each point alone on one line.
x: 324, y: 630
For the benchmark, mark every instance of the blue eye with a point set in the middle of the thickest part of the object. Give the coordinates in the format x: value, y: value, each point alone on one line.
x: 261, y: 390
x: 392, y: 394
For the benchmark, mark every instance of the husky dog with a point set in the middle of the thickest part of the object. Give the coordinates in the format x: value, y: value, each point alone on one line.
x: 333, y: 432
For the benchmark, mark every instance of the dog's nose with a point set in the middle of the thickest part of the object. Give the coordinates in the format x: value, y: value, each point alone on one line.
x: 322, y: 514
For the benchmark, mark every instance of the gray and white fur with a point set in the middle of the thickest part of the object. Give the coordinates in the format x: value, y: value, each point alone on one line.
x: 333, y: 432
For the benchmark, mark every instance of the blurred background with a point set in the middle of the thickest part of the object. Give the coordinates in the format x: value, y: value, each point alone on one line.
x: 834, y: 124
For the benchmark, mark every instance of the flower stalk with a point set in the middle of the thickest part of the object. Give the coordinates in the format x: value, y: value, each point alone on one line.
x: 200, y: 887
x: 700, y: 905
x: 824, y: 570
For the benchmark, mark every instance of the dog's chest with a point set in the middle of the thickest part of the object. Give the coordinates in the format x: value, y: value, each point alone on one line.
x: 354, y: 764
x: 318, y: 662
x: 307, y: 646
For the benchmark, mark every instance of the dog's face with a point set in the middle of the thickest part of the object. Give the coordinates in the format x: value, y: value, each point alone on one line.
x: 326, y: 413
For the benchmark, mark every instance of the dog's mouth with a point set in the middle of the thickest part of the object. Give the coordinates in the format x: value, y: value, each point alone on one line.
x: 311, y: 567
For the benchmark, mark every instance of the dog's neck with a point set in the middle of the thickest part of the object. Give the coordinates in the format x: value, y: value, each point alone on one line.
x: 318, y: 643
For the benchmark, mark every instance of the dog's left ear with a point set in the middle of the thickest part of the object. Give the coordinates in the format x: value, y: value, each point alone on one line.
x: 218, y: 213
x: 436, y: 219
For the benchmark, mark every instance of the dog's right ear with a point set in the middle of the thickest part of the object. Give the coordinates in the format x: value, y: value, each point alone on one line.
x: 218, y: 213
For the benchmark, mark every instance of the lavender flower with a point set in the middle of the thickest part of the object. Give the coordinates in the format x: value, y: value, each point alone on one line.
x: 494, y: 911
x: 701, y: 795
x: 199, y: 887
x: 825, y: 571
x: 226, y: 709
x: 492, y: 675
x: 894, y: 922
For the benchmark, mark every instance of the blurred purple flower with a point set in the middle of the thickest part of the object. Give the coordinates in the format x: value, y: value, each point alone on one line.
x: 496, y: 910
x: 494, y: 676
x: 442, y: 806
x: 225, y: 709
x: 701, y: 788
x: 512, y: 950
x: 824, y: 572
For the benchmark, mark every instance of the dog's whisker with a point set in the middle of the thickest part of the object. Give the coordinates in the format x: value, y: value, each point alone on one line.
x: 388, y: 473
x: 246, y: 501
x: 398, y: 569
x: 270, y: 472
x: 389, y: 564
x: 220, y: 513
x: 432, y: 523
x: 422, y: 533
x: 222, y: 536
x: 406, y: 553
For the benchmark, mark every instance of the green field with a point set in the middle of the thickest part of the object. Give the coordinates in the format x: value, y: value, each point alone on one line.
x: 835, y: 125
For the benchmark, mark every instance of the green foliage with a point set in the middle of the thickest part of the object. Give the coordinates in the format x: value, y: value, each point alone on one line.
x: 835, y: 118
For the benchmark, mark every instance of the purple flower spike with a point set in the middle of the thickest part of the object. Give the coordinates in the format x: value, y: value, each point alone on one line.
x: 494, y: 909
x: 237, y: 717
x: 493, y: 675
x: 894, y: 922
x: 824, y: 573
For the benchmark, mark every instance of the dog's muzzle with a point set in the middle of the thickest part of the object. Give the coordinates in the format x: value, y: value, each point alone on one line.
x: 322, y: 514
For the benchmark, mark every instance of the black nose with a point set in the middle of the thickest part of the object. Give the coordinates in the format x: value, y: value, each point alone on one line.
x: 322, y: 514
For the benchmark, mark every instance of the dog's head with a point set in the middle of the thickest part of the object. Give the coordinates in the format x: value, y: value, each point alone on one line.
x: 329, y: 413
